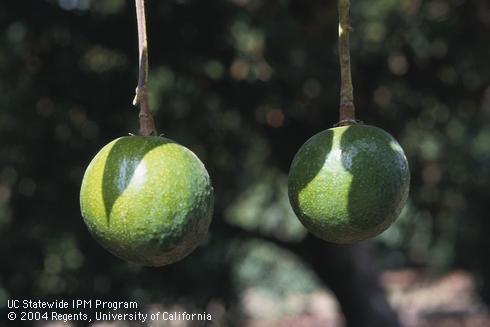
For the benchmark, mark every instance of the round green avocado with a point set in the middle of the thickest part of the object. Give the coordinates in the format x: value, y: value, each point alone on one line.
x: 348, y: 184
x: 147, y: 200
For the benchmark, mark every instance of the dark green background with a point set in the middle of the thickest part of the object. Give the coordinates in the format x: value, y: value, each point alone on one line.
x: 243, y: 84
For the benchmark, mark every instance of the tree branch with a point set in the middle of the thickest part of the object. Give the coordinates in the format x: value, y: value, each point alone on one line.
x: 147, y: 124
x: 347, y: 109
x: 240, y: 232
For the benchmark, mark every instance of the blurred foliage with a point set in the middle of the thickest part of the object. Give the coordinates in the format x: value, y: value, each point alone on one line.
x: 243, y: 83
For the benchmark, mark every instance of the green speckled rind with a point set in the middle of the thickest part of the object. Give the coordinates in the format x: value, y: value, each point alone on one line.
x: 147, y: 200
x: 348, y: 184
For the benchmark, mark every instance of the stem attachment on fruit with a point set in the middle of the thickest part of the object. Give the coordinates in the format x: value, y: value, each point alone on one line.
x: 347, y: 109
x: 147, y: 124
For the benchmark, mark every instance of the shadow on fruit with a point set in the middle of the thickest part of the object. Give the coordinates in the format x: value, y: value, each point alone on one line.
x: 121, y: 164
x: 378, y: 189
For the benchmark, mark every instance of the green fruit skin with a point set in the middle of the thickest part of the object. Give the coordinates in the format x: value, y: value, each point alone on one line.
x: 147, y: 200
x: 348, y: 184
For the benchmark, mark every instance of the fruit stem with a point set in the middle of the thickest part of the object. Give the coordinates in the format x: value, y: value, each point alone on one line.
x: 347, y: 109
x: 147, y: 124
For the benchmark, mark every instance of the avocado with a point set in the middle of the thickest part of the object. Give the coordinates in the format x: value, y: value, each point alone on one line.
x: 147, y: 200
x: 348, y: 184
